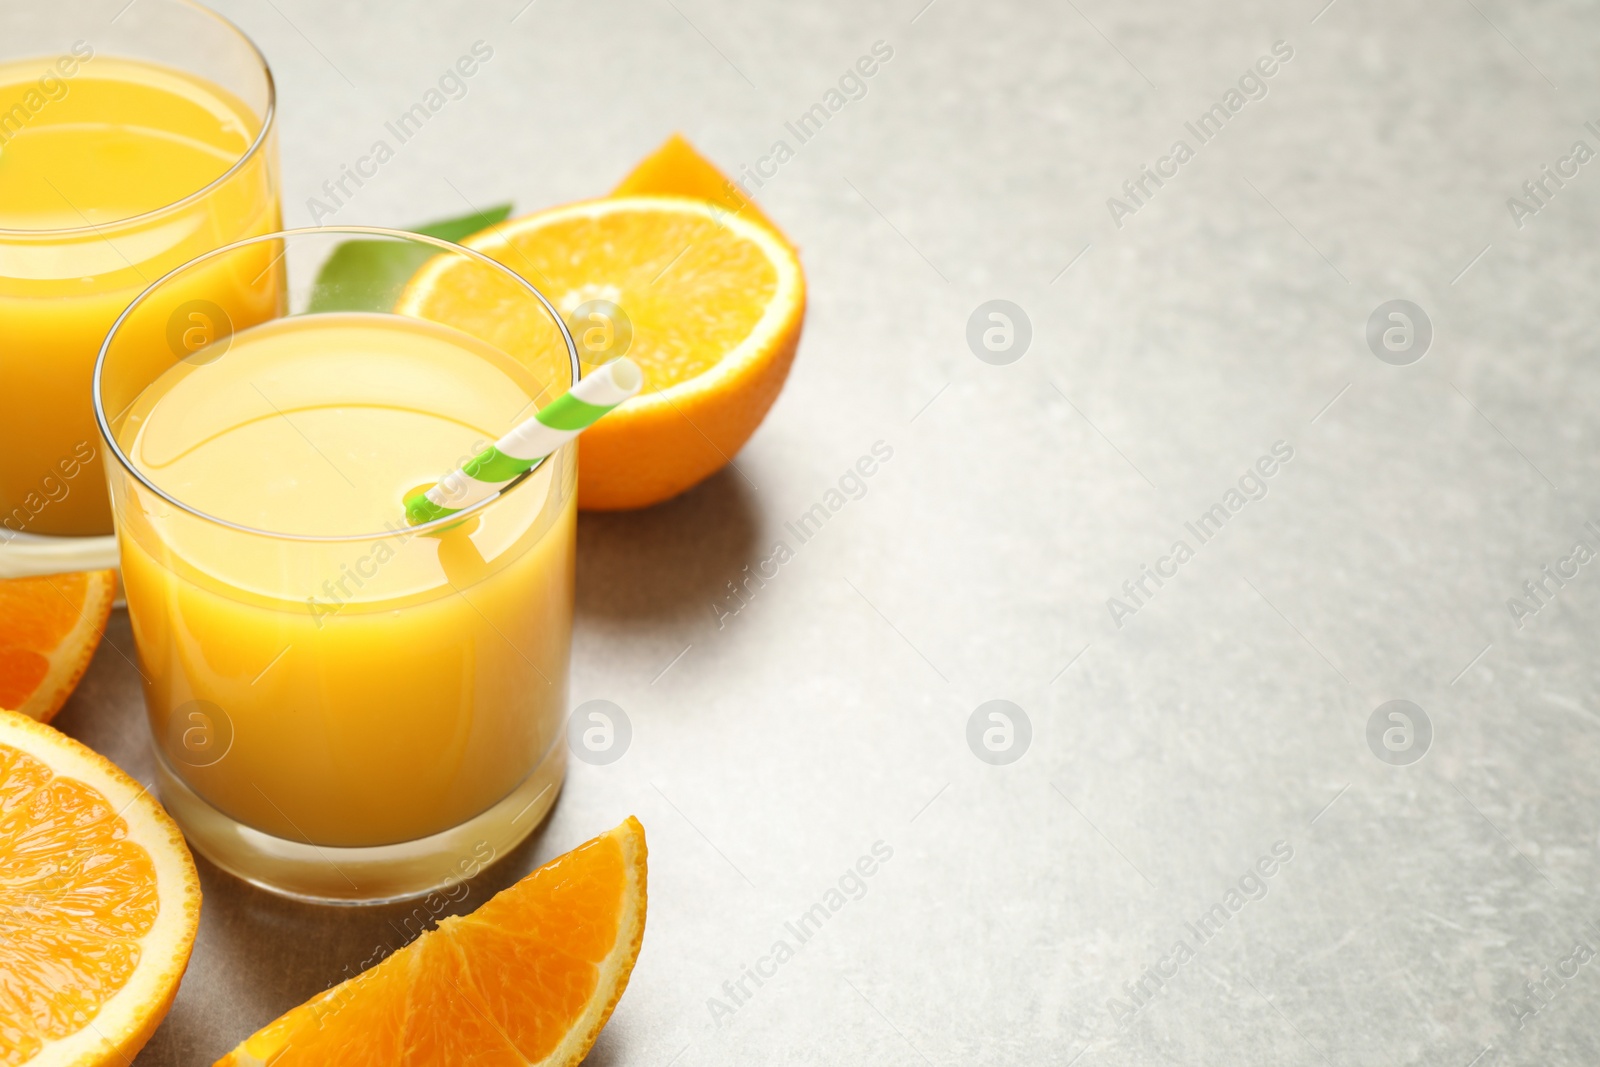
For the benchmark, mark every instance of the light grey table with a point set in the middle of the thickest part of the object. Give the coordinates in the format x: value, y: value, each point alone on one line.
x: 1030, y: 912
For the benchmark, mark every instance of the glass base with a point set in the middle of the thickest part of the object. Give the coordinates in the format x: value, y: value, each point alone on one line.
x: 382, y: 874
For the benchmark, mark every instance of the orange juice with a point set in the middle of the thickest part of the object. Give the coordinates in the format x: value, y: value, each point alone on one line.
x: 112, y: 172
x: 352, y: 684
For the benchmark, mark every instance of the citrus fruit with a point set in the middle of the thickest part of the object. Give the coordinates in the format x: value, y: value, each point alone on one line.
x: 99, y: 903
x: 677, y: 169
x: 527, y: 980
x: 711, y: 306
x: 49, y: 628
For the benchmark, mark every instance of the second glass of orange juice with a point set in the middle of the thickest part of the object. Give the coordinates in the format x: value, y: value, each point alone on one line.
x: 344, y: 708
x: 131, y: 141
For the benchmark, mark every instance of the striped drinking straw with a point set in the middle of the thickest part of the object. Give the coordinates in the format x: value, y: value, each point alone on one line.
x: 520, y: 450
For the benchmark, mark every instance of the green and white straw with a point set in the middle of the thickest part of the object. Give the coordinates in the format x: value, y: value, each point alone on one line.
x: 556, y: 423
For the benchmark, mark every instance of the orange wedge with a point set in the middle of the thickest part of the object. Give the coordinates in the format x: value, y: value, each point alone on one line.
x: 527, y: 980
x: 49, y: 629
x: 99, y: 903
x: 714, y: 302
x: 677, y: 169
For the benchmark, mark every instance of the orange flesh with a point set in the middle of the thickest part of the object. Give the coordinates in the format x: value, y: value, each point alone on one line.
x: 691, y: 289
x: 35, y: 614
x: 76, y: 898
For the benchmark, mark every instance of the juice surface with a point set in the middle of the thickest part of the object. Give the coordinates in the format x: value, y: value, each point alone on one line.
x: 320, y: 424
x: 83, y: 161
x: 124, y: 138
x: 373, y: 690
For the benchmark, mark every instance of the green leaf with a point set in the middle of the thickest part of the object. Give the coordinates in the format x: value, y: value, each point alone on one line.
x: 465, y: 226
x: 369, y: 275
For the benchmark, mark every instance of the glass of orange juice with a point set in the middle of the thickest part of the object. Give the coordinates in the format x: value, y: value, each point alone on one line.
x: 344, y: 707
x: 133, y: 137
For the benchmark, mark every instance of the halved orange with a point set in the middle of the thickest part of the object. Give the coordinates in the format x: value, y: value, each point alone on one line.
x: 49, y: 629
x: 99, y: 903
x: 714, y: 300
x: 527, y: 980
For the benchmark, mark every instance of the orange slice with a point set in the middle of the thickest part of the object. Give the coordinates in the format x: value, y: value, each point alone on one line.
x: 527, y: 980
x: 49, y: 629
x: 714, y: 302
x: 99, y: 903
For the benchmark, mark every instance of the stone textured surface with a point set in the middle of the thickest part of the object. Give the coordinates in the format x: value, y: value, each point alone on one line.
x: 1169, y: 754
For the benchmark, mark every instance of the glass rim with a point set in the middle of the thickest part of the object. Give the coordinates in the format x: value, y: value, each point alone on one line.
x: 435, y: 525
x: 268, y: 118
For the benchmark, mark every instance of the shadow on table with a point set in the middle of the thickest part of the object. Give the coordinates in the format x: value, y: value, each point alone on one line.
x: 670, y: 560
x: 106, y: 710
